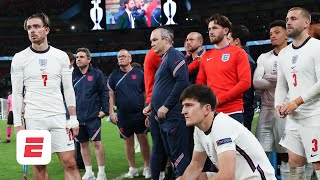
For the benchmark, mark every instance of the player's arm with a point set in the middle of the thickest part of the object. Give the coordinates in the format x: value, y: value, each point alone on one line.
x: 243, y: 76
x: 194, y: 65
x: 69, y: 95
x: 258, y: 81
x: 195, y: 167
x: 17, y: 91
x: 179, y: 72
x: 227, y: 166
x: 103, y: 95
x: 201, y: 77
x: 281, y: 91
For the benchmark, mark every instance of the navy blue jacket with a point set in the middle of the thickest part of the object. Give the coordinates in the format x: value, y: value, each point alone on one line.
x: 91, y: 94
x: 170, y: 80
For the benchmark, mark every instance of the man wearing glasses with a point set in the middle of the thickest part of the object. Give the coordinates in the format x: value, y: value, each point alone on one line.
x: 126, y: 91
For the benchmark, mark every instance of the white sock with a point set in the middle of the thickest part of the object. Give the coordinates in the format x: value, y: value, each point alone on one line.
x: 101, y: 169
x: 285, y: 171
x: 88, y: 168
x: 298, y: 173
x: 309, y: 170
x: 318, y: 173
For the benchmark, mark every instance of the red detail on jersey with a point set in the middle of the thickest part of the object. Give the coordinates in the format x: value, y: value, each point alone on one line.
x: 134, y: 76
x: 151, y: 64
x: 315, y: 144
x: 90, y: 78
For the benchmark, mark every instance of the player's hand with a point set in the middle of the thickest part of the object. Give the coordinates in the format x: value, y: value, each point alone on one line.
x: 18, y: 128
x: 146, y: 122
x: 289, y: 107
x: 279, y: 113
x: 75, y: 132
x: 101, y: 114
x: 162, y: 112
x: 113, y: 118
x: 147, y: 110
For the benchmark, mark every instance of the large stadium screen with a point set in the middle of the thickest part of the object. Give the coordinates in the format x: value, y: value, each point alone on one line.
x: 132, y: 14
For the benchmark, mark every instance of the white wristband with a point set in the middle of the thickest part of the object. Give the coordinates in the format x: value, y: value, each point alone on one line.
x: 72, y: 122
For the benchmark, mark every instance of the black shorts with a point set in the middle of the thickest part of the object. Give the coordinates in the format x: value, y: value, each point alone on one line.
x: 90, y: 131
x: 10, y: 118
x: 133, y: 124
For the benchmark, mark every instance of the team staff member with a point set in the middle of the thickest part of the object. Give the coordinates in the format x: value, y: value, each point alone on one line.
x: 92, y: 105
x: 126, y: 91
x: 225, y: 69
x: 38, y: 72
x: 237, y: 152
x: 170, y: 80
x: 158, y: 156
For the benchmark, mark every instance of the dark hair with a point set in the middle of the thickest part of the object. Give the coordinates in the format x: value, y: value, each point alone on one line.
x: 221, y: 20
x: 42, y: 16
x: 85, y: 50
x: 241, y: 32
x: 202, y: 93
x: 71, y: 56
x: 277, y: 22
x: 315, y: 18
x: 136, y: 65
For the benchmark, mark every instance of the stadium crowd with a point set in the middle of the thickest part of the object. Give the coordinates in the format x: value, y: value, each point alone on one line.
x: 197, y: 106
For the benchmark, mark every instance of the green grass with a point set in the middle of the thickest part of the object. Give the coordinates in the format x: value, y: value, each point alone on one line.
x: 116, y: 162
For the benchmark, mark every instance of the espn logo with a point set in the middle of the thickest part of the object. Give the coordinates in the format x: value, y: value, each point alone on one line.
x: 33, y: 147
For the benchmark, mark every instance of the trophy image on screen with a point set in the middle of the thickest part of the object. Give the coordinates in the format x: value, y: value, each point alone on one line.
x: 96, y: 14
x: 169, y: 9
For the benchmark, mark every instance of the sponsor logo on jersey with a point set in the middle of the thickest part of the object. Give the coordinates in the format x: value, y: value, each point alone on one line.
x: 90, y: 78
x: 43, y: 62
x: 294, y: 59
x: 223, y: 141
x: 134, y: 76
x: 225, y: 57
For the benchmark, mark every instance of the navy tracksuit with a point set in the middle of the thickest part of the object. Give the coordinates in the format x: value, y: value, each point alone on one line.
x: 170, y: 80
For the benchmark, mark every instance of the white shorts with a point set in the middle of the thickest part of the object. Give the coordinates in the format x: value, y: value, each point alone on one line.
x: 61, y: 141
x: 269, y: 131
x: 304, y: 141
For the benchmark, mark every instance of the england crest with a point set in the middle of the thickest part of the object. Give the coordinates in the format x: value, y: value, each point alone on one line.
x: 43, y: 62
x: 134, y: 76
x: 225, y: 57
x: 90, y: 78
x: 294, y: 59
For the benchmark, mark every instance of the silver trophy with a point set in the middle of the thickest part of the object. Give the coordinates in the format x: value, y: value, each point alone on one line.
x: 96, y: 14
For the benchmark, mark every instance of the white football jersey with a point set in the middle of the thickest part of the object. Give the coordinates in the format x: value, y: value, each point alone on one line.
x: 266, y: 64
x: 42, y: 80
x: 299, y: 75
x: 229, y: 135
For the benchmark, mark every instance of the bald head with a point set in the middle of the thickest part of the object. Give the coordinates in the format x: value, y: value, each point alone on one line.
x: 193, y: 42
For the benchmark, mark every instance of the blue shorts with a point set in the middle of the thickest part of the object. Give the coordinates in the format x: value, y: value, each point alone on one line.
x: 133, y: 124
x: 176, y: 137
x: 238, y: 117
x: 90, y: 131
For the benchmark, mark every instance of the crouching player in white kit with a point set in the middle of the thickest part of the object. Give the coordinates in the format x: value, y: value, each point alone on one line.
x: 41, y: 69
x: 299, y: 79
x: 225, y: 141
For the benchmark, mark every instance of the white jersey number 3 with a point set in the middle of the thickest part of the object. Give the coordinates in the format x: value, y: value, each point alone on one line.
x: 294, y: 76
